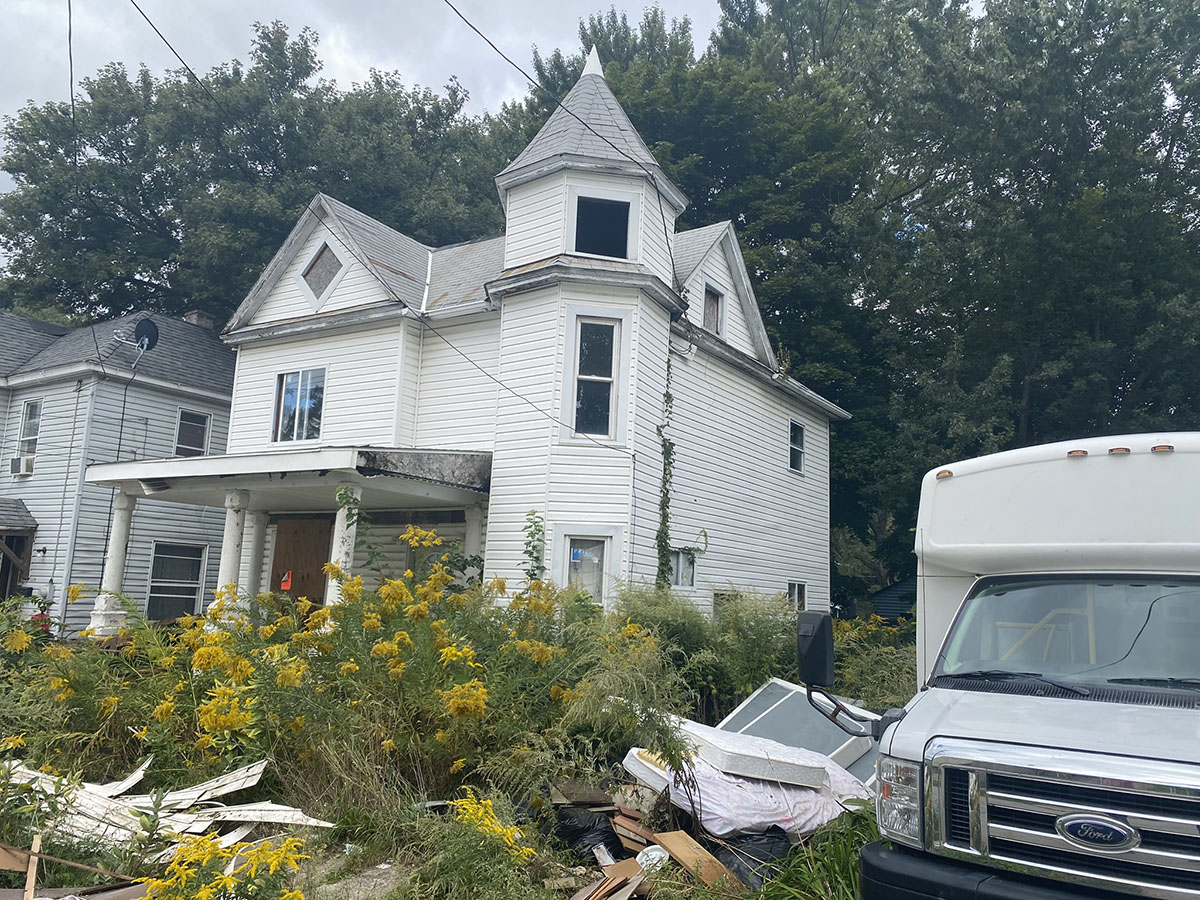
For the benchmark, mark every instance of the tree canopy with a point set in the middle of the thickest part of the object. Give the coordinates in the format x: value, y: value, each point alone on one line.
x: 973, y: 230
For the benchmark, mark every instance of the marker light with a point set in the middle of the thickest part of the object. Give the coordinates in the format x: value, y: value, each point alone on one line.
x: 945, y: 473
x: 1117, y: 451
x: 1162, y: 448
x: 1071, y: 453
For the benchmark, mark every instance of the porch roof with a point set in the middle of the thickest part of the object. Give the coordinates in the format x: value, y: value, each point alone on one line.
x: 296, y: 480
x: 15, y: 516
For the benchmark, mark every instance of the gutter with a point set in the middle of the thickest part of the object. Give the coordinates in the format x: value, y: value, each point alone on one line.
x: 93, y: 368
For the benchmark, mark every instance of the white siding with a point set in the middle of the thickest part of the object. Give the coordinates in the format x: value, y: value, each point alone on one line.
x: 288, y: 299
x: 410, y: 385
x: 456, y: 406
x: 651, y: 360
x: 658, y: 234
x: 715, y: 272
x: 766, y: 524
x: 362, y: 372
x: 536, y: 221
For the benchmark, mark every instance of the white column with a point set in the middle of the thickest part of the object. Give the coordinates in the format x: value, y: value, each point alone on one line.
x: 473, y: 542
x: 256, y: 549
x: 341, y: 548
x: 233, y: 538
x: 107, y: 615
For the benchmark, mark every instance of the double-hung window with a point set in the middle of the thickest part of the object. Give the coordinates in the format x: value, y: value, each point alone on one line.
x: 796, y: 592
x: 176, y: 579
x: 796, y: 448
x: 191, y: 434
x: 595, y: 377
x: 31, y: 420
x: 299, y: 397
x: 683, y: 569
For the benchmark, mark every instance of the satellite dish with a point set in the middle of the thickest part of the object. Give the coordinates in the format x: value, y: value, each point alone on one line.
x: 145, y: 335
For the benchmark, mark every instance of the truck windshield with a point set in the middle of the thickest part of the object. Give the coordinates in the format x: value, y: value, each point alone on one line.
x: 1079, y: 630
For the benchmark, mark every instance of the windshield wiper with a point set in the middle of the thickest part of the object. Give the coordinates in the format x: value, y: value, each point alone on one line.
x: 1193, y: 683
x: 1009, y: 675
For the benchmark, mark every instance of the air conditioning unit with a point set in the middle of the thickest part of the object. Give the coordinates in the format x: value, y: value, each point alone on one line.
x: 20, y: 465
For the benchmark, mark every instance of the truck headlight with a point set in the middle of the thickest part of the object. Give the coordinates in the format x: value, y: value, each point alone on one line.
x: 899, y: 801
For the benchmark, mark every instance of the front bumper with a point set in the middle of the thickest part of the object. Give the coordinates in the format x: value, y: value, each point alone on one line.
x: 893, y: 873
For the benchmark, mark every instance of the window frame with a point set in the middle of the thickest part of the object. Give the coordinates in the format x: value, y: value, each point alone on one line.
x: 633, y: 236
x: 208, y: 420
x: 801, y: 448
x: 719, y: 331
x: 622, y: 317
x: 150, y: 581
x: 277, y: 409
x: 610, y: 380
x: 21, y: 438
x: 677, y: 558
x: 797, y: 599
x: 560, y: 550
x: 315, y: 301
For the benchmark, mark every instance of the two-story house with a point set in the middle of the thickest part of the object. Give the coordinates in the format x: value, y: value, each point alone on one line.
x: 552, y: 368
x: 74, y: 397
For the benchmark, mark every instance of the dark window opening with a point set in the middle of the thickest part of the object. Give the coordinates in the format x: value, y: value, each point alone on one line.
x: 176, y: 576
x: 594, y: 378
x: 602, y: 227
x: 712, y: 311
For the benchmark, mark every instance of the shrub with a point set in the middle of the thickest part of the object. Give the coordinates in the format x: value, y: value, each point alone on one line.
x: 876, y: 663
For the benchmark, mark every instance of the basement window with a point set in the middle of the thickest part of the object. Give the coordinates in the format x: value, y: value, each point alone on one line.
x: 602, y: 227
x: 176, y: 577
x: 191, y: 434
x: 585, y: 565
x: 321, y: 272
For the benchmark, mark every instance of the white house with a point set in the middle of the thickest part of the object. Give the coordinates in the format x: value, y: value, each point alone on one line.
x: 70, y: 398
x: 545, y: 369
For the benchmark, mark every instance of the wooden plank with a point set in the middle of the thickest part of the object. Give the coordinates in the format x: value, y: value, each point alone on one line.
x: 626, y: 868
x: 31, y: 873
x: 633, y: 829
x: 13, y: 860
x: 631, y: 844
x: 702, y: 864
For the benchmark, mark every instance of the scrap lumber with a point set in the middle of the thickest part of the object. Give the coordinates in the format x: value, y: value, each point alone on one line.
x: 630, y: 828
x: 696, y: 860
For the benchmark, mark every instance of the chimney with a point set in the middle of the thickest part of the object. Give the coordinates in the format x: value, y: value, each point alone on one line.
x: 199, y: 318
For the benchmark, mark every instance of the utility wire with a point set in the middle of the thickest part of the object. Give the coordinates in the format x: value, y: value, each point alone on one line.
x: 367, y: 264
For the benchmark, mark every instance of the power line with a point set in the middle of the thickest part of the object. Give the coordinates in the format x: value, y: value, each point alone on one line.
x: 371, y: 268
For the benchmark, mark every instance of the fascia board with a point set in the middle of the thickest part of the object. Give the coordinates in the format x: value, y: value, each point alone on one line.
x: 79, y: 369
x: 319, y: 458
x: 383, y: 311
x: 557, y: 272
x: 750, y: 310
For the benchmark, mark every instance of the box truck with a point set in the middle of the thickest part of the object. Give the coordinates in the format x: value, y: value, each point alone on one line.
x: 1053, y: 747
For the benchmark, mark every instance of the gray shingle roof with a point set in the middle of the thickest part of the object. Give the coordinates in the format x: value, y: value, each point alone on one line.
x: 14, y: 516
x: 22, y: 338
x: 565, y: 135
x: 460, y: 271
x: 401, y: 262
x: 692, y: 246
x: 185, y: 354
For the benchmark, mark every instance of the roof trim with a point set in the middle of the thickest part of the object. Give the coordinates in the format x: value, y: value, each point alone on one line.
x: 718, y: 233
x: 559, y: 269
x: 750, y: 310
x: 382, y: 311
x: 538, y: 169
x: 91, y: 367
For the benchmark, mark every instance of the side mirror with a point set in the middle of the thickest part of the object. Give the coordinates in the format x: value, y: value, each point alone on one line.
x: 814, y: 645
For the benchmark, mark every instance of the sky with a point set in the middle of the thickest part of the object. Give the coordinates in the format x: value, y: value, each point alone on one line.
x: 421, y: 39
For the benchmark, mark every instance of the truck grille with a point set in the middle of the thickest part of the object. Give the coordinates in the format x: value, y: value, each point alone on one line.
x: 1015, y: 820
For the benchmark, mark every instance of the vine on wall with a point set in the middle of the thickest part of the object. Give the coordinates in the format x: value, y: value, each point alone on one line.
x: 662, y: 537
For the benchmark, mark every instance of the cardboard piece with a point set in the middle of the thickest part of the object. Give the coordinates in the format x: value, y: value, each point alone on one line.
x: 698, y: 861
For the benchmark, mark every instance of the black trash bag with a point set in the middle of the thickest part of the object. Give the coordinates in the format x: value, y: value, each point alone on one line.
x: 753, y: 858
x: 582, y: 829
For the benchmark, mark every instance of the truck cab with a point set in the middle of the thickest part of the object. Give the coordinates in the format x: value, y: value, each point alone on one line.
x: 1053, y: 748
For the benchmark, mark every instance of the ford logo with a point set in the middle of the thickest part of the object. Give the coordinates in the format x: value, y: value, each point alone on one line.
x: 1093, y: 831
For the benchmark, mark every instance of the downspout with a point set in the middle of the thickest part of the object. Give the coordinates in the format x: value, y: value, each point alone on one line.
x: 79, y: 485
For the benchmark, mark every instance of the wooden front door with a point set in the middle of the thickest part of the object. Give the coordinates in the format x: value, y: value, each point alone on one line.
x: 301, y: 549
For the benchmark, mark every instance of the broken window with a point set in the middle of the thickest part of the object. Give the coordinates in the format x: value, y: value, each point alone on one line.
x: 322, y: 270
x: 712, y: 311
x: 602, y: 227
x: 191, y: 435
x: 176, y: 578
x: 585, y: 566
x: 299, y: 397
x: 796, y: 448
x: 594, y: 381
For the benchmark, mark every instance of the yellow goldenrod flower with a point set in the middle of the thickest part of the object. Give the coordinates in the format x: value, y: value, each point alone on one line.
x: 17, y: 641
x: 13, y: 742
x: 395, y: 669
x: 334, y: 571
x: 389, y: 745
x: 166, y: 662
x: 352, y: 589
x: 296, y: 725
x: 266, y: 632
x: 74, y: 592
x: 418, y: 611
x: 372, y: 622
x: 457, y: 766
x: 454, y: 653
x: 318, y: 619
x: 348, y: 668
x: 163, y: 711
x: 140, y: 733
x: 292, y: 674
x: 108, y: 705
x: 466, y: 701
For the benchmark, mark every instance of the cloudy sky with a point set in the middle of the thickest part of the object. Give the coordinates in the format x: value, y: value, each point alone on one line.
x: 422, y: 39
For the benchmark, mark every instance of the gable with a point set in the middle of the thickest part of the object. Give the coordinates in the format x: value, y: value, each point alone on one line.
x: 722, y: 269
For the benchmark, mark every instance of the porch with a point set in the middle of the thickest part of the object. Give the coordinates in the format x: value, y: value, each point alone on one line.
x: 283, y: 517
x: 17, y: 529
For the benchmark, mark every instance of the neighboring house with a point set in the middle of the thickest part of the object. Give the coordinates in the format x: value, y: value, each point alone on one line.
x: 72, y: 397
x: 461, y: 387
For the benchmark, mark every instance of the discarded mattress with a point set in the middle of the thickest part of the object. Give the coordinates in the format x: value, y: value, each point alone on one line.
x: 755, y: 757
x: 727, y: 804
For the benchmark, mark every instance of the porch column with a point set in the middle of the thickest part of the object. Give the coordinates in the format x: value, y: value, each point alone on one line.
x: 234, y: 537
x: 256, y: 548
x: 107, y: 615
x: 345, y: 532
x: 473, y: 542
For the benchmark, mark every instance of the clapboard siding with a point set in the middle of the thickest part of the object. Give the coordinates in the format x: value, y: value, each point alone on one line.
x: 765, y: 524
x: 658, y: 234
x: 530, y: 365
x: 536, y: 221
x: 456, y: 406
x: 653, y: 340
x: 362, y: 386
x: 412, y: 345
x: 715, y: 272
x: 288, y: 299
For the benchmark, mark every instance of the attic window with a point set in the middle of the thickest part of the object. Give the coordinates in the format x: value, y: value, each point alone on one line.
x: 712, y: 311
x: 602, y: 227
x: 322, y: 270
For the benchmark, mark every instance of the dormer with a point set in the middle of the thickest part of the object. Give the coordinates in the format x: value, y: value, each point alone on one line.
x: 587, y: 186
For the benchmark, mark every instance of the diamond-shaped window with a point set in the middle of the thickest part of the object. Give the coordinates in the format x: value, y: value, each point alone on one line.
x: 322, y: 270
